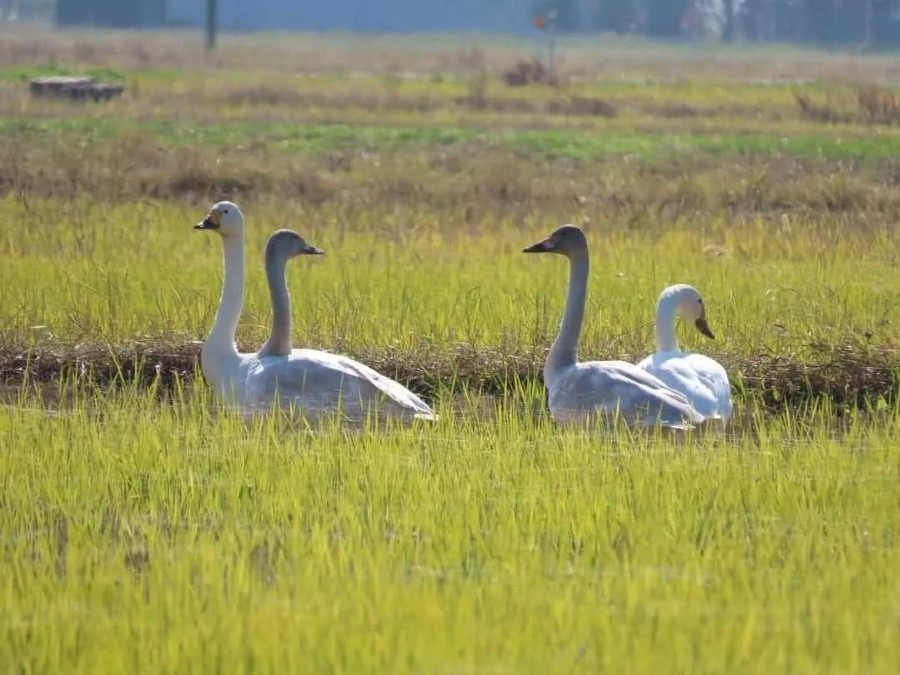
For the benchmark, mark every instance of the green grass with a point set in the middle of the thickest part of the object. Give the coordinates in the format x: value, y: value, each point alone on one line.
x: 159, y: 538
x: 318, y: 138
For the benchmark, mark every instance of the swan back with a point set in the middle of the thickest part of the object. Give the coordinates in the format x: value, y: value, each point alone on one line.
x: 322, y: 383
x: 702, y: 380
x: 617, y: 389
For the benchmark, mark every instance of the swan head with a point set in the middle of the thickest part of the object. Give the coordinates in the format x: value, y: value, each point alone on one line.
x: 286, y: 244
x: 224, y: 218
x: 567, y: 240
x: 688, y: 306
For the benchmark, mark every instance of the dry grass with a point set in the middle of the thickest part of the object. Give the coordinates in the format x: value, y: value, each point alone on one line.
x: 854, y: 374
x: 526, y: 72
x: 874, y: 105
x: 821, y: 112
x: 879, y: 106
x: 470, y: 179
x: 272, y: 96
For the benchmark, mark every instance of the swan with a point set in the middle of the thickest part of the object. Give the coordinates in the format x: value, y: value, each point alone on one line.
x: 701, y: 379
x: 578, y: 391
x: 316, y: 382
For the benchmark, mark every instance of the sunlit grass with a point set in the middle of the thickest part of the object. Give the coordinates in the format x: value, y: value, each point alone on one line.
x: 161, y: 538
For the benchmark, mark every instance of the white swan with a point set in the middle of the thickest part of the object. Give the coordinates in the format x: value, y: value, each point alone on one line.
x: 318, y: 383
x: 578, y: 391
x: 701, y: 379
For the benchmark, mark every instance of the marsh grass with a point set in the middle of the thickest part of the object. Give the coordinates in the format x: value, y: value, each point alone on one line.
x: 161, y: 538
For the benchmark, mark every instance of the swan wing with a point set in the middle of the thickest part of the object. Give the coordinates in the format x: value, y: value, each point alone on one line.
x: 712, y: 375
x: 618, y: 387
x: 701, y: 379
x: 322, y: 382
x: 392, y: 389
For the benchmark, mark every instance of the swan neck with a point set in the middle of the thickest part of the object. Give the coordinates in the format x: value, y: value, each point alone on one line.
x: 564, y: 350
x: 665, y: 325
x: 221, y: 339
x: 279, y: 342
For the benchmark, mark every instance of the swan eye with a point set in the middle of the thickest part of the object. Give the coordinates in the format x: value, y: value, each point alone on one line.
x: 225, y: 212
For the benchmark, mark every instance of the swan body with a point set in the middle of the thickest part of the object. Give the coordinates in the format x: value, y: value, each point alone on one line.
x: 701, y: 379
x: 318, y: 383
x: 579, y: 391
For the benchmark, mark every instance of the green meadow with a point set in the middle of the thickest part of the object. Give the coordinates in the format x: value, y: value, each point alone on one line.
x: 143, y: 529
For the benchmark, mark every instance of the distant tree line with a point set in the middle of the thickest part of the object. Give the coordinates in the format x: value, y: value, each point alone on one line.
x: 812, y: 21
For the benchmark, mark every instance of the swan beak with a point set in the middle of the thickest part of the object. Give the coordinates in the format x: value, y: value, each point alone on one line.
x: 211, y: 222
x: 545, y: 246
x: 703, y: 327
x: 312, y: 250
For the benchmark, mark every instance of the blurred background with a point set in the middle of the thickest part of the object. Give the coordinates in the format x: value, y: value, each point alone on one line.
x: 820, y: 22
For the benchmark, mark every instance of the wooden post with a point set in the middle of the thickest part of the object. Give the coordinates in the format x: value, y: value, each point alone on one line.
x: 211, y: 23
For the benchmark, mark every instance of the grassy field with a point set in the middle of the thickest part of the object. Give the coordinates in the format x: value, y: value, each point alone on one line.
x: 143, y: 529
x: 155, y: 538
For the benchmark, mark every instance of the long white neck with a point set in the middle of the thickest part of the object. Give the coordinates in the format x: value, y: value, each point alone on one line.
x: 564, y: 350
x: 665, y: 324
x: 279, y: 342
x: 219, y: 348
